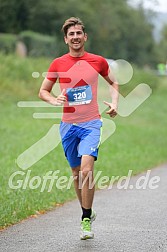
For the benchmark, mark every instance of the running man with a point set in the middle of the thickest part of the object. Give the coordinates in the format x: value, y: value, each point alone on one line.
x: 77, y: 73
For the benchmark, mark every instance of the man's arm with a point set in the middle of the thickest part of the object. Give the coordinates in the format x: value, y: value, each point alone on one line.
x: 114, y: 92
x: 45, y: 95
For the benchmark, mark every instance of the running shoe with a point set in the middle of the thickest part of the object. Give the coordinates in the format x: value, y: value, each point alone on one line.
x: 93, y: 216
x: 86, y: 232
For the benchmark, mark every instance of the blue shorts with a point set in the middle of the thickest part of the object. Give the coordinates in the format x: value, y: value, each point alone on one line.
x: 80, y: 139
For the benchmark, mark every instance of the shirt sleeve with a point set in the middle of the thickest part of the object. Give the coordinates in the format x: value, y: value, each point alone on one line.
x: 104, y: 67
x: 51, y: 73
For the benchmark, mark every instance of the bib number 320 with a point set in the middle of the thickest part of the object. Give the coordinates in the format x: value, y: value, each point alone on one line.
x: 79, y: 95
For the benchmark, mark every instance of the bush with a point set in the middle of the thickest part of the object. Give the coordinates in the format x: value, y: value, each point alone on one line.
x: 38, y: 44
x: 7, y: 43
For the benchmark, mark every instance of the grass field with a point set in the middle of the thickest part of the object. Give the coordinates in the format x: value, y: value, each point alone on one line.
x: 139, y: 142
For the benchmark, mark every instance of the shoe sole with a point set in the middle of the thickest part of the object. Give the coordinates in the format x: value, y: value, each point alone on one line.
x: 86, y: 237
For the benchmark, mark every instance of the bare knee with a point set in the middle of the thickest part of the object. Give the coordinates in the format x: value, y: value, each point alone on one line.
x: 86, y: 171
x: 76, y: 172
x: 87, y: 165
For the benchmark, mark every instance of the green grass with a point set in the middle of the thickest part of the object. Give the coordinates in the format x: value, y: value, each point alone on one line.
x: 139, y: 142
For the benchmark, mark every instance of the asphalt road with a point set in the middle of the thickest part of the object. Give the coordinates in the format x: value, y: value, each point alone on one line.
x: 127, y: 220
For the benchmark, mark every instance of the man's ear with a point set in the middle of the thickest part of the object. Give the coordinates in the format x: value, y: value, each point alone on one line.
x: 65, y: 39
x: 85, y: 37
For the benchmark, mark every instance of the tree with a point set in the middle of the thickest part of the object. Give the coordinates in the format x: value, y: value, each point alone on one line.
x: 115, y: 29
x: 162, y: 45
x: 14, y: 16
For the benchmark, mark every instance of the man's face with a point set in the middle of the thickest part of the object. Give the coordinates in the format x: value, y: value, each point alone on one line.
x: 75, y: 37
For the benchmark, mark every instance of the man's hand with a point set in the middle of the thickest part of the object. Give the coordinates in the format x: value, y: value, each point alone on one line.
x: 60, y: 99
x: 112, y: 112
x: 45, y: 95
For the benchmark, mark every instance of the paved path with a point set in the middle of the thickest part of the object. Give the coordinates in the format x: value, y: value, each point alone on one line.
x: 128, y: 220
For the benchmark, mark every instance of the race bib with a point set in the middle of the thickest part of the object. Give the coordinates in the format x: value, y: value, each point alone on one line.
x: 79, y: 95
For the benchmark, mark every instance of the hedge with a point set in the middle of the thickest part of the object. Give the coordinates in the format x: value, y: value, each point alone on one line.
x: 37, y: 44
x: 7, y: 43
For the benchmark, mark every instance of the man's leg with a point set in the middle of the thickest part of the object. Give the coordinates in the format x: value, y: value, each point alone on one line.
x: 76, y: 176
x: 87, y: 193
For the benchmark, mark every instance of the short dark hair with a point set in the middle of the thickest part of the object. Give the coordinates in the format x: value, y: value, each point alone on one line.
x: 71, y: 22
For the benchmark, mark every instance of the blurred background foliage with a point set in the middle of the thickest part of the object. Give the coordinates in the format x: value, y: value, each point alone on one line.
x: 115, y: 29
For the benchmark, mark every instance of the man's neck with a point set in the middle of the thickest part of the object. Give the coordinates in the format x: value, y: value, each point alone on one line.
x: 79, y: 53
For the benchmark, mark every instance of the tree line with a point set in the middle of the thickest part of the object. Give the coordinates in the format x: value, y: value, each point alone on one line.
x: 115, y: 29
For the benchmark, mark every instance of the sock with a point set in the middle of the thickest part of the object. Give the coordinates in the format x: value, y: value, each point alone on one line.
x: 86, y: 213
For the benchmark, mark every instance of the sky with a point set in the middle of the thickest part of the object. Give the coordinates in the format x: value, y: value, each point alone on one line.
x: 161, y: 5
x: 155, y: 5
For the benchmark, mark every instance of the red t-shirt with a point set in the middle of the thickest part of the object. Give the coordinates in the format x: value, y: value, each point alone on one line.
x: 79, y: 77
